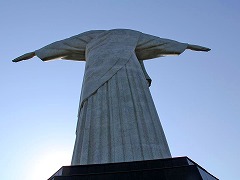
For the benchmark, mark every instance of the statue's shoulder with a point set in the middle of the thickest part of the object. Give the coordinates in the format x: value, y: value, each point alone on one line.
x: 94, y: 33
x: 113, y: 33
x: 123, y: 31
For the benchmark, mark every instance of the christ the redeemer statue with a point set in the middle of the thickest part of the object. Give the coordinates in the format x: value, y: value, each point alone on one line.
x: 117, y: 119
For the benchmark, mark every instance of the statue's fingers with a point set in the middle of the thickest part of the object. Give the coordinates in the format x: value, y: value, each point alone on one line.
x: 20, y: 58
x: 17, y: 59
x: 206, y: 49
x: 201, y: 48
x: 24, y: 57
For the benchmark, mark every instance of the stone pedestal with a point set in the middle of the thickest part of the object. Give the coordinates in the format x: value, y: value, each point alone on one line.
x: 180, y: 168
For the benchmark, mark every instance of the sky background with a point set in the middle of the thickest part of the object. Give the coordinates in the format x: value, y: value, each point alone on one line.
x: 197, y: 94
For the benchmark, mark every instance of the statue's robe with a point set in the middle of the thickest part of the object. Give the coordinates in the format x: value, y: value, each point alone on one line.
x: 117, y: 120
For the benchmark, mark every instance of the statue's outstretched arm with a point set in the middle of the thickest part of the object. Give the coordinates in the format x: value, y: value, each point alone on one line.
x: 24, y: 57
x: 197, y: 48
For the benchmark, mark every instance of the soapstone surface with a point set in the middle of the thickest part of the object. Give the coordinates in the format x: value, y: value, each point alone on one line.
x: 117, y: 119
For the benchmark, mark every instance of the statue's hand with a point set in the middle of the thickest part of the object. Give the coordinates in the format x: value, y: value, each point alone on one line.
x: 197, y: 48
x: 24, y: 57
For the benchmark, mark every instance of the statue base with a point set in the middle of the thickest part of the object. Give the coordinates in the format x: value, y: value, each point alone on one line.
x: 164, y: 169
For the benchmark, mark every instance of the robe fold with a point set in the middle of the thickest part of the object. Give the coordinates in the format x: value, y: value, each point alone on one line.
x: 117, y: 119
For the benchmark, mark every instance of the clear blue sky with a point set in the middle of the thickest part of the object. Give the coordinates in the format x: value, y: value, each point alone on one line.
x: 197, y: 94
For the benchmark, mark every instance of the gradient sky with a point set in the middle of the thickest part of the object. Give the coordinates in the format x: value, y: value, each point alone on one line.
x: 197, y: 94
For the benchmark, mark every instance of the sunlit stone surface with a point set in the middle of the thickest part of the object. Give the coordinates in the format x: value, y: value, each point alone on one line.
x: 117, y: 119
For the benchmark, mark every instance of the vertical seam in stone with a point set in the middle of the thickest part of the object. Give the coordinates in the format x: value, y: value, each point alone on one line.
x: 134, y: 109
x: 81, y: 131
x: 89, y: 158
x: 126, y: 113
x: 115, y: 120
x: 101, y: 124
x: 97, y: 134
x: 120, y: 119
x: 137, y: 115
x: 109, y: 123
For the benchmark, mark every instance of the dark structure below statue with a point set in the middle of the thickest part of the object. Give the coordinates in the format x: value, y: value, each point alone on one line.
x: 180, y: 168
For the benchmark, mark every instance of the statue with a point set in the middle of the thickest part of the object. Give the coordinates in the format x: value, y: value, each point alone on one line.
x: 117, y: 119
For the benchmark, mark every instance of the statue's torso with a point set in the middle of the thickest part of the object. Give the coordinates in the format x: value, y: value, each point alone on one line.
x: 105, y: 55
